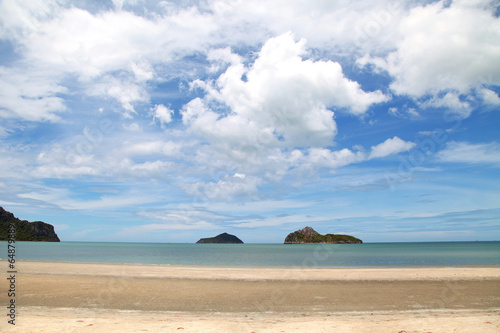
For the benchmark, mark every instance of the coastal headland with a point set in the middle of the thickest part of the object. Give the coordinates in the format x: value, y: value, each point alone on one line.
x: 65, y: 297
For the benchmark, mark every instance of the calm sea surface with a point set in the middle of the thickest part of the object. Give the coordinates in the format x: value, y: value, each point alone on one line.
x: 271, y: 255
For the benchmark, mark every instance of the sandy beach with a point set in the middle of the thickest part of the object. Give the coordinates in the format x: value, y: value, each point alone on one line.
x: 73, y: 297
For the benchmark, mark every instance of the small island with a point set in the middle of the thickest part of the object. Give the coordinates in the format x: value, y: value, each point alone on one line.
x: 224, y: 238
x: 25, y: 231
x: 309, y: 236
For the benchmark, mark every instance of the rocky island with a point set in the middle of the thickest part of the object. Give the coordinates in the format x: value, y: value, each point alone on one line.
x: 24, y: 230
x: 309, y: 236
x: 224, y: 238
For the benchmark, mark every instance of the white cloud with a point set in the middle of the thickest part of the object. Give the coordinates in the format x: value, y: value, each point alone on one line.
x: 405, y: 112
x: 162, y: 113
x: 62, y: 198
x: 489, y: 96
x: 66, y: 41
x: 353, y: 27
x: 133, y: 127
x: 124, y: 89
x: 326, y: 158
x: 442, y: 49
x: 167, y: 148
x: 256, y: 206
x: 459, y: 50
x: 19, y: 19
x: 78, y: 157
x: 451, y: 101
x: 3, y: 131
x: 29, y: 95
x: 321, y: 157
x: 13, y: 164
x: 229, y: 188
x: 412, y: 112
x: 142, y: 71
x: 186, y: 219
x: 155, y: 227
x: 179, y: 219
x: 389, y: 147
x: 221, y: 57
x: 278, y: 220
x: 58, y: 162
x: 184, y: 216
x: 151, y: 168
x: 111, y: 54
x: 283, y: 99
x: 261, y: 115
x: 91, y: 45
x: 464, y: 152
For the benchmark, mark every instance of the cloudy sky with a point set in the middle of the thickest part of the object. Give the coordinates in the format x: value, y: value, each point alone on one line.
x: 167, y: 121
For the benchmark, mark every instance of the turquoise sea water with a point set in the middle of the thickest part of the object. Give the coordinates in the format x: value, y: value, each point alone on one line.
x: 270, y: 255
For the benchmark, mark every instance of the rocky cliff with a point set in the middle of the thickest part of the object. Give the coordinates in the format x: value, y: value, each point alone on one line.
x: 309, y: 236
x: 24, y: 230
x: 224, y: 238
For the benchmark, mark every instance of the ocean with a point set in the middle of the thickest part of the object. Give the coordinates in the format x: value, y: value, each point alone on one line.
x: 265, y: 255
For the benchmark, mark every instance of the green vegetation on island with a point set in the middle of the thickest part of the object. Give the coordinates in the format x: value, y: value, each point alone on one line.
x: 25, y: 231
x: 309, y: 236
x: 224, y: 238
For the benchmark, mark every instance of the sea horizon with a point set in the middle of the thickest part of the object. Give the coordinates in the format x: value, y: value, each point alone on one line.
x: 376, y: 254
x: 264, y: 243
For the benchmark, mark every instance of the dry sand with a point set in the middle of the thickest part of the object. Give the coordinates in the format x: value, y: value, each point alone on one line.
x: 70, y: 297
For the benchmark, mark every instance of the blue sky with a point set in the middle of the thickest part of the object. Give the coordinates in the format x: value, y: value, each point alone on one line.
x: 158, y: 121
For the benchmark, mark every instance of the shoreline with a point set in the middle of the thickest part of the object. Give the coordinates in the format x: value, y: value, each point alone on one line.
x: 259, y: 273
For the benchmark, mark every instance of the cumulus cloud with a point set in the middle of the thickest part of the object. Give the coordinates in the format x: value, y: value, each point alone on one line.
x: 490, y: 97
x: 264, y: 103
x: 326, y: 158
x: 458, y: 51
x: 334, y: 159
x: 113, y: 40
x: 281, y: 97
x: 111, y: 54
x: 360, y: 25
x: 389, y: 147
x: 451, y: 101
x: 451, y: 49
x: 162, y: 113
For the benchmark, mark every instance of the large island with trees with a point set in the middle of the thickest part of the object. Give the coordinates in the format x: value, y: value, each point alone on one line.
x: 309, y: 236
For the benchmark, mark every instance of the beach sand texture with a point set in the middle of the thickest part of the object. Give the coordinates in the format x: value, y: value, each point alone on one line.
x: 73, y: 297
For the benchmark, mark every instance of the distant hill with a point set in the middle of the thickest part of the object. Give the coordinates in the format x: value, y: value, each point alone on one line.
x: 26, y: 231
x: 224, y: 238
x: 309, y: 236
